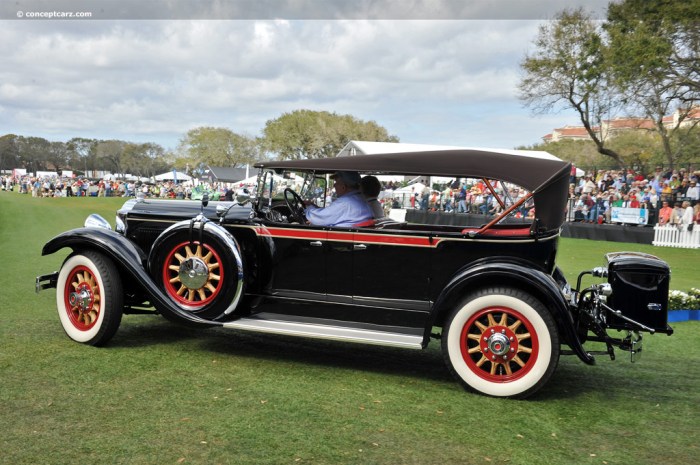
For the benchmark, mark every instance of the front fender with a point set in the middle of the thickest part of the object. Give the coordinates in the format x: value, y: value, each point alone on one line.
x: 515, y: 273
x: 129, y: 258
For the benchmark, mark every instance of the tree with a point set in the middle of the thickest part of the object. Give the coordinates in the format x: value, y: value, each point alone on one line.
x: 568, y: 70
x: 582, y: 153
x: 9, y: 155
x: 317, y: 134
x: 82, y: 153
x: 110, y: 154
x: 33, y: 152
x: 217, y: 147
x: 655, y: 61
x: 57, y: 155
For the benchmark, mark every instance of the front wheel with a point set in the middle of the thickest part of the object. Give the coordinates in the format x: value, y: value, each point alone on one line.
x: 89, y: 298
x: 501, y: 342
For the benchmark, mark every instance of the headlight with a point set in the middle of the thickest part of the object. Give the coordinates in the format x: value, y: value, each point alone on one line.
x: 120, y: 227
x: 96, y: 221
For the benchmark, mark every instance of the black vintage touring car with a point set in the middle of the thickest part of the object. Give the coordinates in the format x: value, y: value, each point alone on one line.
x: 491, y: 293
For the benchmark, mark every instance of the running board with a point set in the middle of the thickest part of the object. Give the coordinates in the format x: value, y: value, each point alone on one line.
x: 324, y: 331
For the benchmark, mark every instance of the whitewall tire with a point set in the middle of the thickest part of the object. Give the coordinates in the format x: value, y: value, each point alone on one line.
x: 501, y: 342
x: 89, y: 298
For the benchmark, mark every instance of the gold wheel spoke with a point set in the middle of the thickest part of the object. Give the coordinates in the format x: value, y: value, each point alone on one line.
x: 492, y: 321
x: 474, y: 350
x: 504, y: 319
x: 481, y: 361
x: 481, y: 326
x: 507, y: 367
x: 515, y: 325
x: 524, y: 349
x: 179, y: 257
x: 517, y: 360
x: 474, y: 337
x: 181, y: 290
x: 522, y: 336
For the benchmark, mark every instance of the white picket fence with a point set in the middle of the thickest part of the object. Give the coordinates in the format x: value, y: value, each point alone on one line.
x: 675, y: 236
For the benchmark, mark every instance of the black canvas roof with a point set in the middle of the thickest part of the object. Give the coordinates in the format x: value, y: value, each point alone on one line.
x: 531, y: 170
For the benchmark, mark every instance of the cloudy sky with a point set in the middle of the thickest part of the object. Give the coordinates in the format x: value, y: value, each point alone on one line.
x: 430, y: 71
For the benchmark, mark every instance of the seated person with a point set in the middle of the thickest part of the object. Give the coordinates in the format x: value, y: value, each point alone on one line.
x: 370, y: 188
x: 348, y: 209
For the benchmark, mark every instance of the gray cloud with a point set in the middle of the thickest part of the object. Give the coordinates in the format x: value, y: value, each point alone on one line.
x: 426, y: 81
x: 303, y: 9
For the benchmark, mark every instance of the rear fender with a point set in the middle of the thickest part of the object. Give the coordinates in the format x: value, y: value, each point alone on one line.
x: 518, y: 274
x: 129, y: 258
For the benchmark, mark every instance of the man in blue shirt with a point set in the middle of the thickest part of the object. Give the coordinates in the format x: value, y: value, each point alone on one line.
x: 348, y: 209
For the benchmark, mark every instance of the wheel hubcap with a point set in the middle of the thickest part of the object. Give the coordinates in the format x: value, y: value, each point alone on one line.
x: 498, y: 344
x: 82, y: 299
x: 193, y: 273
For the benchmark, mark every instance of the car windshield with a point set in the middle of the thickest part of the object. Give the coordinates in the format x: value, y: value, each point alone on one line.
x: 272, y: 185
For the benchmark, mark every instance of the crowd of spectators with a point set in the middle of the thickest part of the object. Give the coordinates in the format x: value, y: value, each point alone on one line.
x: 82, y: 187
x: 671, y: 197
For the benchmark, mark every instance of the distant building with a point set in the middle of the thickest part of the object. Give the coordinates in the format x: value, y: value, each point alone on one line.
x: 613, y: 127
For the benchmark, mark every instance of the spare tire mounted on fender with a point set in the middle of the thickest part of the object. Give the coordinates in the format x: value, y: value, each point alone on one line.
x: 199, y: 266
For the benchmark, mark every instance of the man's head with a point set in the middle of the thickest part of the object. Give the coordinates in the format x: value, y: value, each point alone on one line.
x: 370, y: 186
x: 346, y: 181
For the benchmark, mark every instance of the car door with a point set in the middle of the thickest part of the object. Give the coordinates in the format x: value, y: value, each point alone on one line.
x: 391, y: 276
x: 297, y: 262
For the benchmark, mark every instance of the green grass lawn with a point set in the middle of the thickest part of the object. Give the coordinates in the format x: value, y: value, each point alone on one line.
x: 163, y: 394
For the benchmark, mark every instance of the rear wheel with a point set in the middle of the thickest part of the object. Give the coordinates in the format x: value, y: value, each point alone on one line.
x: 89, y: 298
x: 501, y: 342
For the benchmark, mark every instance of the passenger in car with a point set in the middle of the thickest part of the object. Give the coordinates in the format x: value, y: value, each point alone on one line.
x: 348, y: 209
x: 370, y: 188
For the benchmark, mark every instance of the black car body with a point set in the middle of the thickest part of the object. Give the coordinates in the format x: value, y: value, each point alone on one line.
x: 491, y: 293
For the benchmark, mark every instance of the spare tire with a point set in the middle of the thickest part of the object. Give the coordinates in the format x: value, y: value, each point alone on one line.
x: 199, y: 266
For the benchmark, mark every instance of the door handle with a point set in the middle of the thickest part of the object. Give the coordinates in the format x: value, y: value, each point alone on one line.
x: 316, y: 244
x: 359, y: 247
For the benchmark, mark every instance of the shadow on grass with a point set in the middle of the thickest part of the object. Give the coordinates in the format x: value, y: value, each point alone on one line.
x: 156, y: 331
x: 571, y: 379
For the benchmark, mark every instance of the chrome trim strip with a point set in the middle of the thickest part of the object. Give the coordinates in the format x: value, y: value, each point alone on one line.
x: 336, y: 333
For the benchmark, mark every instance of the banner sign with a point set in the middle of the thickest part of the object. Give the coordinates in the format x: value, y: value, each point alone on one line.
x: 629, y: 215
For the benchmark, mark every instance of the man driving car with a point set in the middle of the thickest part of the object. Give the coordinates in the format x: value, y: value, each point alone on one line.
x: 348, y: 209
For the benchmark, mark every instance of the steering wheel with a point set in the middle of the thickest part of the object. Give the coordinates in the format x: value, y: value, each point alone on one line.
x: 295, y: 204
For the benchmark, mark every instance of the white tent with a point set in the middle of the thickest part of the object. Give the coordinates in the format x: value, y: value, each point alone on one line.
x: 411, y: 188
x: 173, y: 176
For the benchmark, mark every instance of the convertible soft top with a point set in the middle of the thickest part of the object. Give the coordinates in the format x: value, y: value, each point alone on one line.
x: 531, y: 170
x: 543, y: 174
